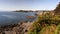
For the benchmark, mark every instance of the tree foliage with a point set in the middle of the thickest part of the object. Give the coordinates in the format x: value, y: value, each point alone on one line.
x: 57, y: 8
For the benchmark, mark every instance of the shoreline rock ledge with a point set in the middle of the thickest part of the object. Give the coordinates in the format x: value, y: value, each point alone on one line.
x: 20, y: 28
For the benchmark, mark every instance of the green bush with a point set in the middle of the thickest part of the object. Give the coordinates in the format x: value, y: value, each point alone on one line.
x: 42, y: 21
x: 35, y: 27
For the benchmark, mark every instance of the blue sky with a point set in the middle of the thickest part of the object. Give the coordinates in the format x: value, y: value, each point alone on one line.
x: 10, y: 5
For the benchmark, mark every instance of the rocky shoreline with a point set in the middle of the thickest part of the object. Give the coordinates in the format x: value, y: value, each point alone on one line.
x: 20, y: 28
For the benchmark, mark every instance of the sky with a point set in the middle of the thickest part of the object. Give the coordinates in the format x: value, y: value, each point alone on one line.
x: 11, y: 5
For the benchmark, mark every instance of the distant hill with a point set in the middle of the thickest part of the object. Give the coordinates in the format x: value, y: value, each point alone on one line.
x: 24, y: 11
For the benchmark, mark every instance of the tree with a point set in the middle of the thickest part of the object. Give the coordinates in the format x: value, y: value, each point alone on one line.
x: 57, y: 10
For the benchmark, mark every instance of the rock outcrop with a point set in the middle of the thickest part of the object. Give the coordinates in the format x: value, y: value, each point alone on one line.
x: 20, y: 28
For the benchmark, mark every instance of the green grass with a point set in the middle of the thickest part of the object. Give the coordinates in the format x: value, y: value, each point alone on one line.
x: 43, y: 30
x: 57, y: 29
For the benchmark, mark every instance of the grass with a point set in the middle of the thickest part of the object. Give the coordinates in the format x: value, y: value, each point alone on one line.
x: 46, y: 24
x: 57, y: 31
x: 43, y: 30
x: 48, y: 30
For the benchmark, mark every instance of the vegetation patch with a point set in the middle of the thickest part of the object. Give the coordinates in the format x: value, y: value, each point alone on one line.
x: 45, y: 24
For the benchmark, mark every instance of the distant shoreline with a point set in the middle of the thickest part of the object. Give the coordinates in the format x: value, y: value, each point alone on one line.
x: 26, y: 11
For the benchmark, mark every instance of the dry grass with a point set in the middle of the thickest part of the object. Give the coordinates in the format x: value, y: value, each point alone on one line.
x: 48, y: 30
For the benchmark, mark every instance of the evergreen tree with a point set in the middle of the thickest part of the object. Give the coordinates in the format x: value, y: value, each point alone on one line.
x: 57, y: 10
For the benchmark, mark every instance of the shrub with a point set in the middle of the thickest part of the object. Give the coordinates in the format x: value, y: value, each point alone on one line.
x: 42, y: 21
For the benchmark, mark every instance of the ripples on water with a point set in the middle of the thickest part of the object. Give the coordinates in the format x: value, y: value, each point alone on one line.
x: 15, y: 17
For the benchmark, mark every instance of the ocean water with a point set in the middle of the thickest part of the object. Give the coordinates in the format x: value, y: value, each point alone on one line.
x: 7, y: 18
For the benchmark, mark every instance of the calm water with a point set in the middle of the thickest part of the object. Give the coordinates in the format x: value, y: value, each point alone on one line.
x: 7, y: 18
